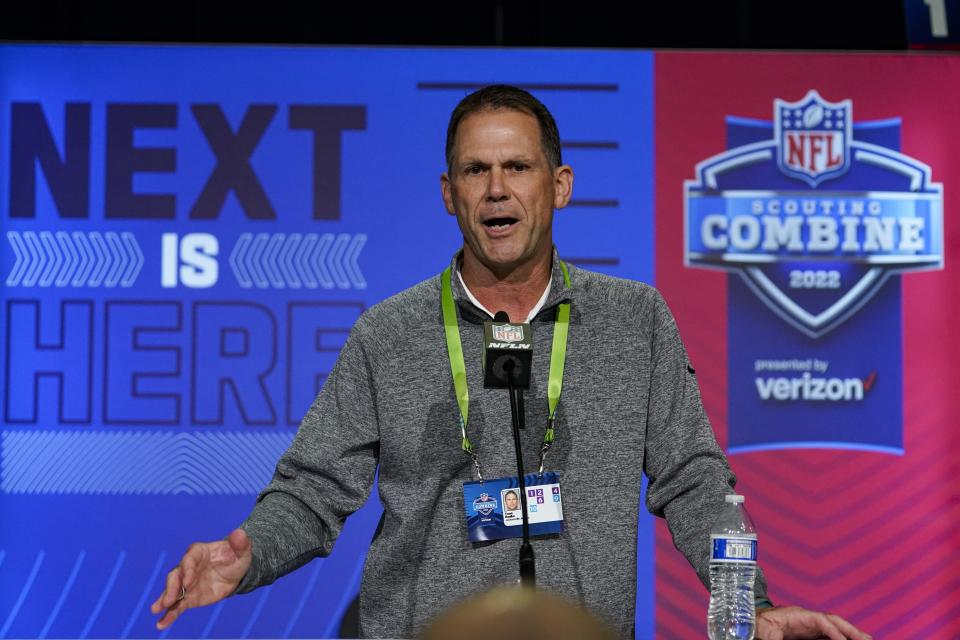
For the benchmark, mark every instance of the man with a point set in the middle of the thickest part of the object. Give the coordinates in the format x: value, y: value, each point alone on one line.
x: 629, y: 403
x: 510, y: 501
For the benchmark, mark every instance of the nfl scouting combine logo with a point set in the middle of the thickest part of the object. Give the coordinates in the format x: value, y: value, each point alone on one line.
x: 485, y: 504
x: 817, y: 213
x: 814, y: 214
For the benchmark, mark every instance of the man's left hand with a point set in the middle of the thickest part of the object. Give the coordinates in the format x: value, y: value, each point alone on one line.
x: 797, y: 623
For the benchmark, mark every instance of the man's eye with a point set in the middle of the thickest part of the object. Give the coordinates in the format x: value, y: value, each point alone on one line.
x: 474, y: 170
x: 520, y: 167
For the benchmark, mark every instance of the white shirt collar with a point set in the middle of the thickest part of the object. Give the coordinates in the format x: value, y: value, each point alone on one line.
x: 533, y: 312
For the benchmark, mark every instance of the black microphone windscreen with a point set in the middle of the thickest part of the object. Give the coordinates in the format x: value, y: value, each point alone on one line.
x: 501, y: 316
x: 507, y: 353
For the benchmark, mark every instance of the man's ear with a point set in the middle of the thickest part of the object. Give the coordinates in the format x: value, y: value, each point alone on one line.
x: 446, y: 192
x: 563, y: 186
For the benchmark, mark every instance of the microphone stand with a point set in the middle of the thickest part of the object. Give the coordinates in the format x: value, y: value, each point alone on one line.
x: 527, y: 560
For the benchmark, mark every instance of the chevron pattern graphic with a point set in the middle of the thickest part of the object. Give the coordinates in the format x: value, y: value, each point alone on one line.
x: 77, y: 259
x: 294, y: 260
x: 870, y: 542
x: 870, y: 536
x: 133, y: 463
x: 117, y: 585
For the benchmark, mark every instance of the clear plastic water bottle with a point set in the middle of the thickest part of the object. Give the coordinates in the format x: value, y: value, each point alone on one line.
x: 733, y: 566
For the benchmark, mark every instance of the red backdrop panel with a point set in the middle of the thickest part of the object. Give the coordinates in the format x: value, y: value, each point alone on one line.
x: 872, y: 536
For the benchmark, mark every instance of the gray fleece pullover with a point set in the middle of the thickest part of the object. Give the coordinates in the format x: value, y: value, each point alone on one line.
x: 630, y: 405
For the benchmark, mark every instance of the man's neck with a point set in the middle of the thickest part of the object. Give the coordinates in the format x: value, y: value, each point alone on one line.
x: 516, y: 292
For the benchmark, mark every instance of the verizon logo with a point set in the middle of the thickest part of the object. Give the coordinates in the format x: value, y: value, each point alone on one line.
x: 817, y: 389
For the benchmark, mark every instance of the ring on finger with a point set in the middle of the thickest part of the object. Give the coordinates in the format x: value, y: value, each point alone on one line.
x: 183, y: 593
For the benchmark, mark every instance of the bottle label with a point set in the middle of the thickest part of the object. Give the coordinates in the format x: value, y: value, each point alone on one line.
x: 733, y: 549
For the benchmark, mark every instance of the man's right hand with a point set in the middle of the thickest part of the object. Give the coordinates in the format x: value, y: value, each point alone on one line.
x: 207, y: 573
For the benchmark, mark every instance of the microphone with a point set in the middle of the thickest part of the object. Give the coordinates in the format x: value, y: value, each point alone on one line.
x: 508, y: 350
x: 507, y: 354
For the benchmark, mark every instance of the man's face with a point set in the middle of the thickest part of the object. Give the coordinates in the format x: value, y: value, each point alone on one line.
x: 503, y: 190
x: 510, y: 501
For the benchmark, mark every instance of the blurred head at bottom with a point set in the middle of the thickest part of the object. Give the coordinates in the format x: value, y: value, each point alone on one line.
x: 514, y: 613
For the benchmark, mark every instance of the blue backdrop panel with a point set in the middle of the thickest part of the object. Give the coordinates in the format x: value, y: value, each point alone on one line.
x: 188, y: 235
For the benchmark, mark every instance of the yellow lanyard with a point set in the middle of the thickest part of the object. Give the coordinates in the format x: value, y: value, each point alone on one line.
x: 458, y: 368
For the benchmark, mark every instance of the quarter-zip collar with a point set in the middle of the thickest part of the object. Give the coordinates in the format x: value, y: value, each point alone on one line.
x: 559, y: 292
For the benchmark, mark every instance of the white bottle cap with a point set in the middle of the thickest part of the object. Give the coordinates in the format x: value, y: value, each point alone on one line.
x: 734, y: 499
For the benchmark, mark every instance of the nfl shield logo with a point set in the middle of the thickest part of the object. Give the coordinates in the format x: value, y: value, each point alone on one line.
x: 814, y: 137
x: 507, y: 332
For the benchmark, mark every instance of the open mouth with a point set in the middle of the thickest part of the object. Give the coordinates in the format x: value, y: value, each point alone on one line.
x: 499, y: 223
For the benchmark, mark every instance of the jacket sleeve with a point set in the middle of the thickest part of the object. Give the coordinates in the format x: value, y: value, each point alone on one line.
x: 687, y: 471
x: 324, y: 476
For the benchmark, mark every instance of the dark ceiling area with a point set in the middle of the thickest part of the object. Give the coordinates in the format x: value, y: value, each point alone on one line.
x: 724, y: 24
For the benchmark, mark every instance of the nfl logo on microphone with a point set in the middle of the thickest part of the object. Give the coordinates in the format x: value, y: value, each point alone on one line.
x: 507, y: 332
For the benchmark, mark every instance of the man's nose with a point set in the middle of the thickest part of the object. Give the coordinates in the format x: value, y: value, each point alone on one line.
x: 496, y: 188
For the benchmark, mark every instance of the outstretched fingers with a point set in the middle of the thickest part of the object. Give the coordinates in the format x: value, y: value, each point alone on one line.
x: 172, y: 613
x: 188, y: 567
x: 170, y: 592
x: 207, y: 573
x: 797, y: 623
x: 848, y: 629
x: 171, y: 599
x: 836, y: 628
